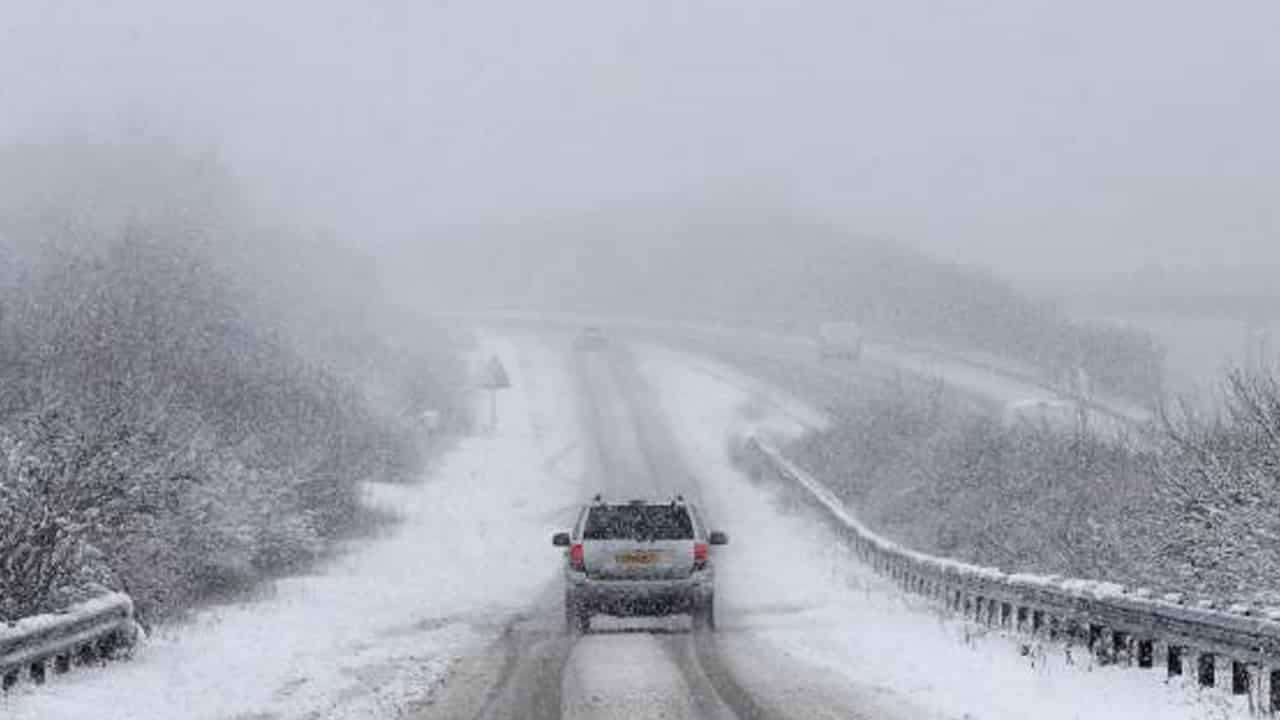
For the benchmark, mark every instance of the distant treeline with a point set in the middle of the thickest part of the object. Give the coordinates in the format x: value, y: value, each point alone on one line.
x: 1232, y: 305
x: 741, y: 263
x: 171, y: 424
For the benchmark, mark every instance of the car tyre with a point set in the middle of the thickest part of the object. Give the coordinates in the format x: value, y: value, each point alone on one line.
x: 577, y: 616
x: 704, y: 614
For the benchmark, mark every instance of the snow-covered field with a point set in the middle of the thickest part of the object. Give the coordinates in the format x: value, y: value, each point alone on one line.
x: 374, y: 631
x: 786, y: 581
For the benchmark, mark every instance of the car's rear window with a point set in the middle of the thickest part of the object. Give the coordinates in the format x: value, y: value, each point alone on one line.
x: 638, y: 522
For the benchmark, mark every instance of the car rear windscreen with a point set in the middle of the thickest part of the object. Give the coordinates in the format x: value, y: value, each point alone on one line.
x: 638, y: 522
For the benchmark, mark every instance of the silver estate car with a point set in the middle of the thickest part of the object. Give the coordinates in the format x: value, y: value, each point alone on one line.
x: 639, y: 558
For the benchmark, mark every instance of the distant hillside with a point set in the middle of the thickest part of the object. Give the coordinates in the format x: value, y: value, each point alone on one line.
x: 754, y: 265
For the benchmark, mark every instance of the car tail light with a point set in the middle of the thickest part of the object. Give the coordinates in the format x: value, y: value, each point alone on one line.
x: 576, y: 561
x: 699, y: 556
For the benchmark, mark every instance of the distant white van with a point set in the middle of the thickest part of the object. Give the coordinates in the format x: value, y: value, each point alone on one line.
x: 839, y: 340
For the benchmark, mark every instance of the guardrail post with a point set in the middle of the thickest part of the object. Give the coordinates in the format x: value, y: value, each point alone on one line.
x: 38, y: 672
x: 1023, y: 617
x: 10, y: 679
x: 1272, y: 691
x: 1037, y: 622
x: 1258, y: 689
x: 1146, y: 653
x: 1006, y: 614
x: 1174, y: 660
x: 1206, y: 675
x: 1240, y: 678
x: 1121, y: 647
x: 62, y: 664
x: 1076, y: 632
x: 1094, y: 642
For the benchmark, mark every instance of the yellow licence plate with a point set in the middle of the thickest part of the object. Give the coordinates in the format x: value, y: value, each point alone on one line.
x: 637, y: 557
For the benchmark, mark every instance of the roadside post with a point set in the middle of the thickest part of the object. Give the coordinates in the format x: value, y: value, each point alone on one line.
x: 493, y: 379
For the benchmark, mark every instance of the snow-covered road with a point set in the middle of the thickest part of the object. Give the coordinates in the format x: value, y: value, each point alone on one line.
x: 456, y: 613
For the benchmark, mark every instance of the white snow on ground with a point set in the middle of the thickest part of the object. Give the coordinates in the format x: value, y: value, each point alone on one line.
x: 378, y: 627
x: 769, y: 407
x: 785, y: 581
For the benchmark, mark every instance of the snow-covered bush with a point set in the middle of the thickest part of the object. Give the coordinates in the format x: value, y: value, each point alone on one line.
x: 1195, y: 508
x: 42, y: 519
x: 923, y: 468
x: 169, y: 428
x: 1220, y: 487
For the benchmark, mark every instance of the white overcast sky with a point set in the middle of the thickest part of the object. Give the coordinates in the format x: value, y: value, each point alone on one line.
x: 1059, y: 141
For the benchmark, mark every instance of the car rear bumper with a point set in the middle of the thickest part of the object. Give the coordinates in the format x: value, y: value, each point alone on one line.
x: 640, y: 597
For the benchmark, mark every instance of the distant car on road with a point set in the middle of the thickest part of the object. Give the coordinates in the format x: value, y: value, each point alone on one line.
x: 591, y: 337
x: 639, y: 558
x: 839, y: 340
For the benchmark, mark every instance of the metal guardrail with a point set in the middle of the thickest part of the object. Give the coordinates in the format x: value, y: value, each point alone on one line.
x: 89, y: 632
x: 1236, y: 649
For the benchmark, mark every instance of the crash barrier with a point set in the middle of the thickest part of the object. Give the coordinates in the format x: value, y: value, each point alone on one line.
x: 90, y: 632
x: 1235, y: 649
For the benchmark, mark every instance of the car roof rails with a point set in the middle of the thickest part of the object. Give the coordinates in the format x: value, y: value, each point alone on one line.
x: 598, y: 499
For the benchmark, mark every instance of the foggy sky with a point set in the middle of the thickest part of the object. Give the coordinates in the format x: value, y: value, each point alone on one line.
x: 1063, y: 143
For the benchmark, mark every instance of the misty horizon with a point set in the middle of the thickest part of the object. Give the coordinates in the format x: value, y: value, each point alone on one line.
x: 1089, y: 146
